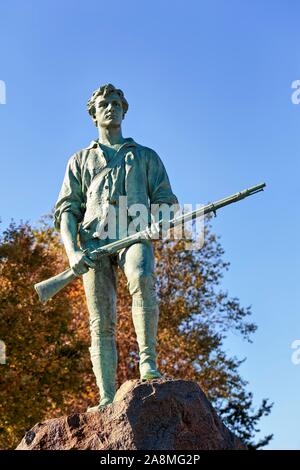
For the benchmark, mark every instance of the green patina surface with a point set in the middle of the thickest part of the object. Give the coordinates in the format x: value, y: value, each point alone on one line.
x: 95, y: 177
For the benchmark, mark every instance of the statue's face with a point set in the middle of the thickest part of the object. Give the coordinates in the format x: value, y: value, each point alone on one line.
x: 109, y: 111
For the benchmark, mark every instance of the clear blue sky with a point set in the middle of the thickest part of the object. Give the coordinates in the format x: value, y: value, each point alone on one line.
x: 209, y: 88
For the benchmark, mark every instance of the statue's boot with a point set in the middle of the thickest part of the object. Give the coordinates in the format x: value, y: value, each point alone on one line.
x: 145, y: 320
x: 104, y: 362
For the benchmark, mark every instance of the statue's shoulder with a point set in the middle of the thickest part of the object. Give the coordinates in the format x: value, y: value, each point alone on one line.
x: 80, y: 156
x: 147, y: 152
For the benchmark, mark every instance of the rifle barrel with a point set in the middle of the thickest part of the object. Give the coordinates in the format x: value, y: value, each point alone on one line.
x: 48, y: 288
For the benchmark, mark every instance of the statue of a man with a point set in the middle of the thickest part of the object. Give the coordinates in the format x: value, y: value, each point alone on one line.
x: 96, y: 177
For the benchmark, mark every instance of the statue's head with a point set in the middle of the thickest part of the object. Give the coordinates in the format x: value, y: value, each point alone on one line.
x: 107, y: 106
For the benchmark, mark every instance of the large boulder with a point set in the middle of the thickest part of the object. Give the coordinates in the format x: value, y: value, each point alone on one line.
x: 150, y: 415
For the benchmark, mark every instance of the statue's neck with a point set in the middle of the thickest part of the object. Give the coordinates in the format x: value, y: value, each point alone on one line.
x: 111, y: 136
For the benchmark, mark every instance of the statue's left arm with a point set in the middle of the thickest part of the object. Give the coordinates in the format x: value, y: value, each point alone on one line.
x: 159, y: 187
x: 160, y: 192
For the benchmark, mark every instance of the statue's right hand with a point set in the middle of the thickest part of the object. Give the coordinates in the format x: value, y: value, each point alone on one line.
x: 80, y: 262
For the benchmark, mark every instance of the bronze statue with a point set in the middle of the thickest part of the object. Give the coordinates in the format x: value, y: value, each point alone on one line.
x: 111, y: 172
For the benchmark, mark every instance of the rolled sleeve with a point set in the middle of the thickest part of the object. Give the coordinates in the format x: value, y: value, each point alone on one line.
x: 159, y: 186
x: 70, y: 198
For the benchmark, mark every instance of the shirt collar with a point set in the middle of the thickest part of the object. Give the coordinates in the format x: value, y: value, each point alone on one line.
x: 128, y: 142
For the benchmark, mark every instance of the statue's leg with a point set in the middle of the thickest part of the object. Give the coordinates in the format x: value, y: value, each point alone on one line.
x: 100, y: 290
x: 138, y: 264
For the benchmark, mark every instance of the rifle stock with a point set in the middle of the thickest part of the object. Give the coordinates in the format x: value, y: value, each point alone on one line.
x: 48, y: 288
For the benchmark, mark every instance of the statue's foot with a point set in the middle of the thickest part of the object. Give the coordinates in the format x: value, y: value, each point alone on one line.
x: 148, y: 372
x: 92, y: 409
x: 103, y: 403
x: 152, y: 375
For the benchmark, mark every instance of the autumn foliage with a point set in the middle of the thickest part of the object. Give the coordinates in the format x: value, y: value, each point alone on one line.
x: 48, y: 371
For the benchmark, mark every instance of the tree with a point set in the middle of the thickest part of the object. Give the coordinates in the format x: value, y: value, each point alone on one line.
x: 45, y: 358
x: 48, y: 370
x: 196, y: 316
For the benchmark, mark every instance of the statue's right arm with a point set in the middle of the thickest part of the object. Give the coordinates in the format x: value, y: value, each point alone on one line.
x: 78, y: 260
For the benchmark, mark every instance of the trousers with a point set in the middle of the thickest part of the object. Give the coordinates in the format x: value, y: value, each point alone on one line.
x: 137, y: 262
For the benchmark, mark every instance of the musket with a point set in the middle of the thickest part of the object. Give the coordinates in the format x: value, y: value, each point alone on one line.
x: 48, y: 288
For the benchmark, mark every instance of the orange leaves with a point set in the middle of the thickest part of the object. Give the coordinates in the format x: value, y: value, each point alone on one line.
x: 48, y: 370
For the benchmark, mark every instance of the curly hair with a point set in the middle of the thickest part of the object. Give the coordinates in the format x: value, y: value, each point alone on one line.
x: 105, y: 90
